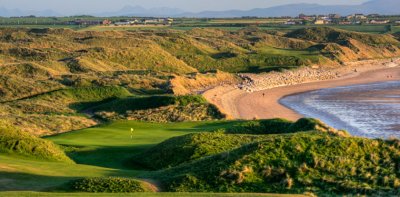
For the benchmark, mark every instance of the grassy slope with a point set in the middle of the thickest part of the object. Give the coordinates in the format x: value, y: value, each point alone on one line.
x: 14, y: 141
x: 104, y: 149
x: 107, y: 151
x: 112, y: 146
x: 295, y: 163
x: 188, y: 148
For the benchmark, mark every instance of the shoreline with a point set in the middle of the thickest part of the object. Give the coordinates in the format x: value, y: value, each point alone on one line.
x: 265, y: 103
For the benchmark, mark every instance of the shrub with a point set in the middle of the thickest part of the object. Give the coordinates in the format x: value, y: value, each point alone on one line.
x: 109, y: 185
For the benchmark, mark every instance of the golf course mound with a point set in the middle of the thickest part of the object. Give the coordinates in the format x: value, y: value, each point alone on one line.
x: 295, y: 163
x: 159, y: 109
x: 14, y: 141
x: 110, y: 185
x: 178, y: 150
x: 281, y: 126
x: 183, y: 149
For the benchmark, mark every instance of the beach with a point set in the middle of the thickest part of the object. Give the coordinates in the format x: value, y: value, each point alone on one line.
x: 255, y: 100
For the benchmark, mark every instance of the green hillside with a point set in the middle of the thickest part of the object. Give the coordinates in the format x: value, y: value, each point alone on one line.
x: 207, y: 157
x: 16, y: 142
x: 295, y: 163
x: 119, y: 112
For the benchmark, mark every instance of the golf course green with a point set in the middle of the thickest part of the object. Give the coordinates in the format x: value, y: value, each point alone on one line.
x: 102, y: 151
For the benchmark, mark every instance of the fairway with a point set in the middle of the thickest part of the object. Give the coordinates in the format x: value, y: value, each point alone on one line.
x: 113, y: 144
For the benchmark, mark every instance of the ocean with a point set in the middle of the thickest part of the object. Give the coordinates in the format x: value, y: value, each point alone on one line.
x: 368, y: 110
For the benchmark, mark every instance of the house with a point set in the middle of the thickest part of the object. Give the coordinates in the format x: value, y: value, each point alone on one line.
x: 290, y: 22
x: 168, y: 21
x: 357, y: 17
x: 321, y: 22
x: 106, y: 22
x: 122, y: 23
x: 379, y: 21
x: 397, y: 22
x: 153, y: 21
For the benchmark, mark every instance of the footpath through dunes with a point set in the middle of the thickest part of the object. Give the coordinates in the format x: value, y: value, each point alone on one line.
x: 259, y: 95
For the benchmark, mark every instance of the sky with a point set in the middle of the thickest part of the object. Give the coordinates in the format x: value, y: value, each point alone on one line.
x: 97, y: 6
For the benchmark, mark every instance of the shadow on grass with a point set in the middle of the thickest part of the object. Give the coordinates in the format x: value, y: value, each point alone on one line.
x: 17, y: 181
x: 109, y: 157
x: 13, y: 181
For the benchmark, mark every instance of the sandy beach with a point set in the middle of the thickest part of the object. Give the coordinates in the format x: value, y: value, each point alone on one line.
x: 240, y: 103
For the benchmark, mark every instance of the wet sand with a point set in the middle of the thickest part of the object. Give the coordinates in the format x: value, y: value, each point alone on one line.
x: 264, y: 104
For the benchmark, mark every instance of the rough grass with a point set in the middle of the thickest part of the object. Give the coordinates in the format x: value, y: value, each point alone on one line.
x: 110, y: 185
x: 183, y: 149
x: 159, y: 109
x: 178, y: 150
x: 295, y: 163
x: 14, y: 141
x: 281, y: 126
x: 75, y: 98
x: 326, y: 34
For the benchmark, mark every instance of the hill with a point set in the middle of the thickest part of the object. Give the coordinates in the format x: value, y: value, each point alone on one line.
x: 308, y: 161
x: 54, y: 76
x: 191, y: 147
x: 17, y: 142
x: 386, y: 7
x: 245, y: 156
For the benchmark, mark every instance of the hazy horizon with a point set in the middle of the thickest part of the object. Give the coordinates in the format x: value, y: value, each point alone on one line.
x: 98, y: 6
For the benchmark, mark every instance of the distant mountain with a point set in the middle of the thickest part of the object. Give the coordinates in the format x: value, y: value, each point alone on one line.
x: 370, y: 7
x: 17, y: 12
x: 143, y: 12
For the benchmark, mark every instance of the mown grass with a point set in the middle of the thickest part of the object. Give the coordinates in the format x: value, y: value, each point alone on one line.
x: 114, y: 145
x: 99, y: 152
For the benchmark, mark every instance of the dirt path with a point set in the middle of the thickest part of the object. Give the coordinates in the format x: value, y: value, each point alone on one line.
x: 264, y: 104
x: 154, y: 185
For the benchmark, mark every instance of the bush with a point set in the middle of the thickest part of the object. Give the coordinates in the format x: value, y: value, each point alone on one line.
x: 109, y: 185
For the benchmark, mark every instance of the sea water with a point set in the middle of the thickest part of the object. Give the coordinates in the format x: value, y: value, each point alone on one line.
x: 368, y: 110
